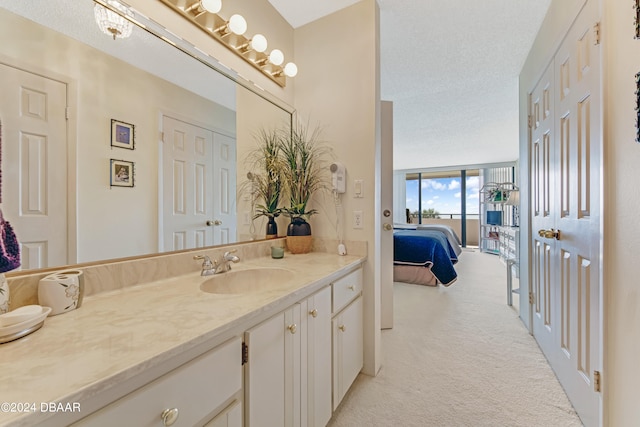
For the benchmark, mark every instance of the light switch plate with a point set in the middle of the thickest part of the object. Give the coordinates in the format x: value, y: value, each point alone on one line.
x: 358, y: 190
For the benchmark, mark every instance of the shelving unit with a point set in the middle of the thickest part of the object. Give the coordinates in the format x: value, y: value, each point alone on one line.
x: 498, y: 218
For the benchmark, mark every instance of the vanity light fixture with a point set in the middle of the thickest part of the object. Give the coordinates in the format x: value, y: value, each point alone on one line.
x: 211, y: 6
x: 204, y: 14
x: 112, y: 23
x: 290, y: 69
x: 236, y: 25
x: 258, y: 43
x: 276, y: 57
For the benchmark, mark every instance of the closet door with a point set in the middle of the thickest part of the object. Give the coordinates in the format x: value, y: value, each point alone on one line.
x: 566, y: 216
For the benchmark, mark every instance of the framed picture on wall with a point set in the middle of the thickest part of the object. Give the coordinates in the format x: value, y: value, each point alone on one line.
x: 122, y: 134
x: 121, y: 173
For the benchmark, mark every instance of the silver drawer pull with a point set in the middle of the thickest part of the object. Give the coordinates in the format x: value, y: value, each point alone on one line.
x: 169, y: 416
x: 292, y: 328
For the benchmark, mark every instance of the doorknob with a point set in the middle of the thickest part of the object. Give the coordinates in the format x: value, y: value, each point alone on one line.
x: 549, y: 234
x: 214, y: 222
x: 387, y: 226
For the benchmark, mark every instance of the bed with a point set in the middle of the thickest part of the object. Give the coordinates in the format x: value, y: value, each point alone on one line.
x: 424, y: 257
x: 449, y: 232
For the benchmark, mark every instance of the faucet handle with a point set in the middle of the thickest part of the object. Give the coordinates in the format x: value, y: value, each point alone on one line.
x: 227, y: 253
x: 207, y: 261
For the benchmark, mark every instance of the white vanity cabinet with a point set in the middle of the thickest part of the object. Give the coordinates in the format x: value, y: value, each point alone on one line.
x: 288, y: 372
x: 204, y: 390
x: 347, y: 331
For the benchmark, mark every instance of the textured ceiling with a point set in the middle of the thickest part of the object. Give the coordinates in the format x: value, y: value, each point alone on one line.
x: 451, y: 69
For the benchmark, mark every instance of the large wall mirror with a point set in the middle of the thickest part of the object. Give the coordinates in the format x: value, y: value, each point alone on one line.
x: 118, y: 148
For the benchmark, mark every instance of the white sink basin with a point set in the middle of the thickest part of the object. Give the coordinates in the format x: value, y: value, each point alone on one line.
x: 246, y: 281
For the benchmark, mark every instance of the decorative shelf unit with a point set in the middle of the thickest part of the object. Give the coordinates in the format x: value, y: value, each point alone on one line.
x: 499, y: 219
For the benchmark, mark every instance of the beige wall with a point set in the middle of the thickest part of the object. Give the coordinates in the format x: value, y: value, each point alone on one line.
x: 622, y: 204
x: 338, y: 88
x: 621, y: 299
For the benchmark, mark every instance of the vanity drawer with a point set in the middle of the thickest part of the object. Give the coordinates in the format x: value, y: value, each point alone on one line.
x: 346, y: 289
x: 195, y: 389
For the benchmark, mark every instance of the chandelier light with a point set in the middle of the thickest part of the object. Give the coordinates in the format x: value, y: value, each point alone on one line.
x: 113, y: 23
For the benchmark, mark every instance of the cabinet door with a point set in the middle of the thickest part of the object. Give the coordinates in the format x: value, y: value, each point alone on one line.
x: 230, y: 417
x: 347, y: 349
x: 319, y: 358
x: 272, y: 375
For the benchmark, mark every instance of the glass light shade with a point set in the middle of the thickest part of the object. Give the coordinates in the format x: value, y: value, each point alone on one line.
x: 291, y: 69
x: 110, y: 22
x: 259, y: 43
x: 211, y: 6
x: 237, y: 24
x: 276, y: 57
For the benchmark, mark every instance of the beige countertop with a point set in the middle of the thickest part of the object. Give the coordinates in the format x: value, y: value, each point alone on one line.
x: 115, y: 336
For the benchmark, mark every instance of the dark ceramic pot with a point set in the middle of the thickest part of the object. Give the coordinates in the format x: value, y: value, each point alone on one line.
x: 298, y: 227
x: 272, y: 228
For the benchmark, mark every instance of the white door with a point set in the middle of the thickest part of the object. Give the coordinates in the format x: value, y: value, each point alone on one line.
x: 34, y: 164
x: 566, y: 271
x: 198, y: 185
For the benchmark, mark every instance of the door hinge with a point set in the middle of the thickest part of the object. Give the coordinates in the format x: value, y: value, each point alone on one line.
x: 596, y: 33
x: 530, y: 298
x: 597, y: 381
x: 245, y: 353
x: 162, y: 136
x: 67, y: 113
x: 530, y: 121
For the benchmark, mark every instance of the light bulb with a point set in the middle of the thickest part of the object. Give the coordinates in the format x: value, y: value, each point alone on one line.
x: 211, y: 6
x: 237, y: 24
x: 259, y: 43
x: 291, y: 69
x: 276, y: 57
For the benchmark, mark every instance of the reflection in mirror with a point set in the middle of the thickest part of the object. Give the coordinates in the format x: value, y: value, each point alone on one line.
x: 62, y: 82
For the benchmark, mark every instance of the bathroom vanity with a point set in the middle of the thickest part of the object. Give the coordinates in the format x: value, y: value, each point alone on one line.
x: 179, y: 351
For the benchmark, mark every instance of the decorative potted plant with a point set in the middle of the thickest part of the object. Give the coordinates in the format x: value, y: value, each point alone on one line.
x: 265, y: 180
x: 304, y: 173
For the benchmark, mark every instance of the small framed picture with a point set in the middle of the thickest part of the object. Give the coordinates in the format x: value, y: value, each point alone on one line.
x: 122, y: 173
x: 122, y: 135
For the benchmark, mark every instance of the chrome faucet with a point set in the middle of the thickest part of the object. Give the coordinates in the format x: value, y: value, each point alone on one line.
x: 225, y: 263
x: 208, y: 267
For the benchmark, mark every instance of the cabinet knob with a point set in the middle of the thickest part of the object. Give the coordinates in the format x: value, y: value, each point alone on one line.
x: 314, y: 312
x: 342, y: 328
x: 352, y: 287
x: 169, y: 416
x: 292, y: 328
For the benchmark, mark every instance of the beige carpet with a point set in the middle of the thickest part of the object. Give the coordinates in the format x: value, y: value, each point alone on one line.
x: 458, y: 356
